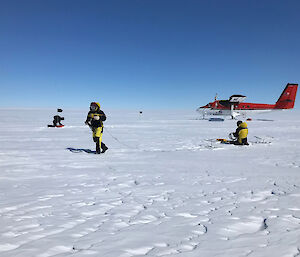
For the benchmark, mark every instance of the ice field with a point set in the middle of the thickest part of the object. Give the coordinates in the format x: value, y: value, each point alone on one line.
x: 163, y: 188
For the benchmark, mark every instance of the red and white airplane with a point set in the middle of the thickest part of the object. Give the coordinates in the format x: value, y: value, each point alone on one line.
x: 235, y: 105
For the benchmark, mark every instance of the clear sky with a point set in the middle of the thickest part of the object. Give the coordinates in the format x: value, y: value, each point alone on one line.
x: 146, y: 53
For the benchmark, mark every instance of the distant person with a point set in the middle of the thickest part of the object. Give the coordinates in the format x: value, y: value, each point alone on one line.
x: 95, y: 120
x: 240, y: 135
x: 57, y: 120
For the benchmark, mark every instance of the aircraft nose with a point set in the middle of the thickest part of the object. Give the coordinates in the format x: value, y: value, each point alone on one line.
x: 204, y: 106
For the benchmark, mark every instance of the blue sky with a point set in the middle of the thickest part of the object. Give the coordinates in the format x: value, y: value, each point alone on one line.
x: 146, y: 53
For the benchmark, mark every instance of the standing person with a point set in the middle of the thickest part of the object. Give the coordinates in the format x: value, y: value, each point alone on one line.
x: 95, y: 120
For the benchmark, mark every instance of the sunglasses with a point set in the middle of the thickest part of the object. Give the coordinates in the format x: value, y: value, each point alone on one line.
x: 93, y: 107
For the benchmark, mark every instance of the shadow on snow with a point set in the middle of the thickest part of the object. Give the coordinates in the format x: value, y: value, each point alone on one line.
x: 80, y: 150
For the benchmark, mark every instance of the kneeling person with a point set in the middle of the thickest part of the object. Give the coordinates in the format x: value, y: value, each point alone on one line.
x: 241, y: 134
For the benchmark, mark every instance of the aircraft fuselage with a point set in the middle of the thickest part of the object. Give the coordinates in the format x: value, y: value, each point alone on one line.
x: 235, y: 105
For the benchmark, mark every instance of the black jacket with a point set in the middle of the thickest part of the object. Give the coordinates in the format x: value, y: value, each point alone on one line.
x: 95, y: 123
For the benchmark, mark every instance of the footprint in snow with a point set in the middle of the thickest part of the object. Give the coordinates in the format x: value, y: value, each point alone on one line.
x: 144, y: 220
x: 139, y: 251
x: 186, y: 215
x: 249, y: 226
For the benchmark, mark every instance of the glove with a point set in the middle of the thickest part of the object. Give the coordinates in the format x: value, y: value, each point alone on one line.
x: 96, y: 118
x: 231, y: 136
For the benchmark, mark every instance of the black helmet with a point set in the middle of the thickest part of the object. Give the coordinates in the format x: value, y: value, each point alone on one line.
x: 239, y: 123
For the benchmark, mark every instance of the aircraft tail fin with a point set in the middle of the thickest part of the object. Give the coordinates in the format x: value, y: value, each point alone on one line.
x: 287, y: 97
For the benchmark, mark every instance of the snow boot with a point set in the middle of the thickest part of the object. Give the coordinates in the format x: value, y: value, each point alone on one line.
x: 104, y: 148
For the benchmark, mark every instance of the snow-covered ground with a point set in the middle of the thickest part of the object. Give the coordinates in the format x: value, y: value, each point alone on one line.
x: 162, y: 189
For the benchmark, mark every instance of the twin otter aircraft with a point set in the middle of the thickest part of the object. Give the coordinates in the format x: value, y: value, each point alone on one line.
x: 235, y: 106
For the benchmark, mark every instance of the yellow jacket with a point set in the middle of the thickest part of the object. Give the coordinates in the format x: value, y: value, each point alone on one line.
x: 243, y: 133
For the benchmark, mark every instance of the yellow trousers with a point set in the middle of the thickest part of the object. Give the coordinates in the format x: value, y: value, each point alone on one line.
x: 97, y: 133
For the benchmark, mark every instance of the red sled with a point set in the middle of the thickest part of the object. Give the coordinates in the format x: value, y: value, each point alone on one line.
x: 58, y: 126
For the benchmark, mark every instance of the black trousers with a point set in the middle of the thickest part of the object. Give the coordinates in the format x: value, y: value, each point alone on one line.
x: 103, y: 146
x: 244, y: 142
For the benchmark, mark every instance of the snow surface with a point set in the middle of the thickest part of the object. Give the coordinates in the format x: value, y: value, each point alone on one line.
x: 162, y: 189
